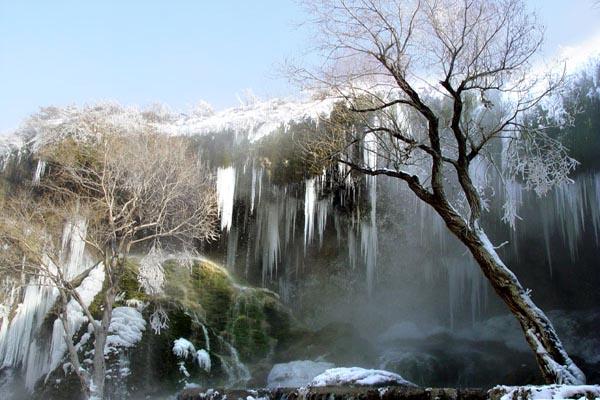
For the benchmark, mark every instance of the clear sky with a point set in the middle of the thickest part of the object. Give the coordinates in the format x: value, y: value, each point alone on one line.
x: 176, y: 52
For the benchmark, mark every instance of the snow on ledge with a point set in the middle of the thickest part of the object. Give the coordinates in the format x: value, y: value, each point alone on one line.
x: 545, y: 392
x: 359, y: 377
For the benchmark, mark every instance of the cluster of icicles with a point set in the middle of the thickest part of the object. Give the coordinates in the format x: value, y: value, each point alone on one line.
x: 278, y: 245
x: 22, y: 343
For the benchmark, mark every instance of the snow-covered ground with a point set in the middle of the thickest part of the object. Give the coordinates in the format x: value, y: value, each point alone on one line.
x: 255, y: 120
x: 355, y: 376
x: 545, y: 392
x: 252, y: 121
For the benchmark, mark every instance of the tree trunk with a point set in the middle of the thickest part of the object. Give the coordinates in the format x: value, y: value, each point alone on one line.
x: 73, y: 356
x: 101, y: 333
x: 553, y: 360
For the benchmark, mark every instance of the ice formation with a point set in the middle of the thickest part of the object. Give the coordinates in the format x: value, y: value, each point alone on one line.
x: 126, y: 328
x: 21, y: 345
x: 225, y: 195
x: 203, y: 360
x: 184, y: 349
x: 39, y: 171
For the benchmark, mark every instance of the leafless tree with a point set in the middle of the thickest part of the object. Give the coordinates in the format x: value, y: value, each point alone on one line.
x: 130, y: 186
x: 440, y: 88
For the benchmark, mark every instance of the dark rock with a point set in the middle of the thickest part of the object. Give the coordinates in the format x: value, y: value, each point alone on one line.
x: 339, y: 393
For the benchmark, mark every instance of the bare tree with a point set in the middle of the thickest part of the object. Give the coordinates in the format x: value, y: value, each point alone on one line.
x: 130, y: 186
x: 440, y: 89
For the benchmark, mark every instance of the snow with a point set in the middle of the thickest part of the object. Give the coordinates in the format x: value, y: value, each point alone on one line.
x: 296, y: 373
x: 548, y: 392
x: 253, y: 121
x: 126, y: 328
x: 358, y: 376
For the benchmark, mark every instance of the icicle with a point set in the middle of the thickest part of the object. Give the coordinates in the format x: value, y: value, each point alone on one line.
x: 20, y: 340
x: 225, y: 195
x: 310, y: 197
x: 232, y: 245
x: 465, y: 283
x: 368, y: 230
x: 253, y: 191
x: 39, y: 171
x: 272, y: 246
x: 368, y: 240
x: 291, y: 210
x: 323, y: 207
x: 73, y: 247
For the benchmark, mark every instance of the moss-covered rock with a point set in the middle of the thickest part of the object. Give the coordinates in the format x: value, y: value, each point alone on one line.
x: 206, y: 306
x: 202, y: 300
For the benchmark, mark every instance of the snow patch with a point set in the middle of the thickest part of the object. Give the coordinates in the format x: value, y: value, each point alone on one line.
x: 546, y: 392
x: 360, y: 377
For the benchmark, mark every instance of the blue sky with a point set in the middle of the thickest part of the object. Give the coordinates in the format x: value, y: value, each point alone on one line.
x: 176, y: 52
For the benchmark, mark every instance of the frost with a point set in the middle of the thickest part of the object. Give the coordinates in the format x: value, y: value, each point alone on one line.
x: 159, y: 320
x: 360, y: 377
x: 151, y: 275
